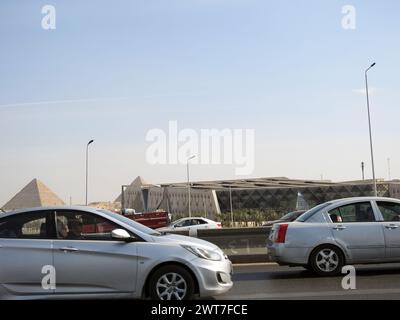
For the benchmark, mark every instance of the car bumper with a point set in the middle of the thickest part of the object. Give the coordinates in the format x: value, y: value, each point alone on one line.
x: 283, y: 255
x: 214, y: 277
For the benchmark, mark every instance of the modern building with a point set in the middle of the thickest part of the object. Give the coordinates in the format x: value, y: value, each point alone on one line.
x: 144, y: 197
x: 211, y: 198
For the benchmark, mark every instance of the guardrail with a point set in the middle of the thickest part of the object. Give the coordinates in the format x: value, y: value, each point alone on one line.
x: 241, y: 245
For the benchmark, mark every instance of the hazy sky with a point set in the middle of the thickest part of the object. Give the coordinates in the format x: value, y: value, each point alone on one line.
x: 113, y: 70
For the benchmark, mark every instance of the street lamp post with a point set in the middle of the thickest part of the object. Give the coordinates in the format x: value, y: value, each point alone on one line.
x: 369, y: 125
x: 362, y: 170
x: 123, y: 187
x: 87, y: 168
x: 230, y: 200
x: 188, y: 181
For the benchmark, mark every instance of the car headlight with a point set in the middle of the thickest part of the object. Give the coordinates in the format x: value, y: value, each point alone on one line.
x: 204, y: 253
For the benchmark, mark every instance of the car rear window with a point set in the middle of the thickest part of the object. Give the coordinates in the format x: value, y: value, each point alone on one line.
x: 308, y: 214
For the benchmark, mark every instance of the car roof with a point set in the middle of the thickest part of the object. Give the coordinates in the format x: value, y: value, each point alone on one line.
x: 25, y: 210
x: 187, y: 218
x: 356, y: 199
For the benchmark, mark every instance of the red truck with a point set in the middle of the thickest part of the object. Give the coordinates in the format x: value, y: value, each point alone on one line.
x: 154, y: 220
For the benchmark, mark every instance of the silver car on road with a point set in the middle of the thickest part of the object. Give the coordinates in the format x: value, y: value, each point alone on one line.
x: 347, y: 231
x: 80, y: 252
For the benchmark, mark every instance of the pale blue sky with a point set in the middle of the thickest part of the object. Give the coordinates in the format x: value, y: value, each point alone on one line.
x: 286, y: 69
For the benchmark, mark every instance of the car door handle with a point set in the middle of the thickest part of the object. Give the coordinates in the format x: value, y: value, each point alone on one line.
x: 392, y: 226
x: 68, y: 249
x: 339, y: 228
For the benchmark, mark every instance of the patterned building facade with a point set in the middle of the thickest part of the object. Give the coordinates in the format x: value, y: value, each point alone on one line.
x: 285, y: 199
x: 211, y: 198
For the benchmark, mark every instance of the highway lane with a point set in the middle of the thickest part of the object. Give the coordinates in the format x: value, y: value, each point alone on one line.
x: 270, y: 281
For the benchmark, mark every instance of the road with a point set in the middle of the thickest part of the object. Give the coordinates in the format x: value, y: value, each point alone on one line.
x: 270, y: 281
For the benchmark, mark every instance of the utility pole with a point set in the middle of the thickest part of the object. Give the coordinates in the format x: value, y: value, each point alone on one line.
x: 87, y: 168
x: 230, y: 200
x: 188, y: 182
x: 370, y: 133
x: 362, y: 170
x: 123, y: 198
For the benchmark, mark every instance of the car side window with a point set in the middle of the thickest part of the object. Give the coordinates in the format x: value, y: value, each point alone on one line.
x: 355, y: 212
x: 390, y: 210
x: 79, y: 225
x: 201, y: 221
x: 32, y: 225
x: 188, y: 222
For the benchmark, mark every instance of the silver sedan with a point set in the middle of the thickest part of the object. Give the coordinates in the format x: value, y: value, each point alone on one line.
x: 346, y: 231
x: 78, y: 252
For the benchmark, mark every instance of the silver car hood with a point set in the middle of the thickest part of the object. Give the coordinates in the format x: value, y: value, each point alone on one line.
x: 178, y: 239
x: 164, y: 229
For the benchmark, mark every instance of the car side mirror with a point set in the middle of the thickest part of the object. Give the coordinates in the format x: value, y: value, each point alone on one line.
x: 121, y: 234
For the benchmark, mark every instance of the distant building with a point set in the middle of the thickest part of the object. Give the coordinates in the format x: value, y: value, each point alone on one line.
x: 34, y: 194
x: 145, y: 197
x: 211, y: 198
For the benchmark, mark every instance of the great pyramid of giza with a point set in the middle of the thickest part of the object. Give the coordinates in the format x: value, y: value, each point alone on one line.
x: 34, y: 194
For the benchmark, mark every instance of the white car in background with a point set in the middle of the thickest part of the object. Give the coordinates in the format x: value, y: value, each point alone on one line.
x: 191, y: 224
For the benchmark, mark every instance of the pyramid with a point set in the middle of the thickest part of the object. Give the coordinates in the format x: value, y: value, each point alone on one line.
x: 34, y: 194
x: 137, y: 183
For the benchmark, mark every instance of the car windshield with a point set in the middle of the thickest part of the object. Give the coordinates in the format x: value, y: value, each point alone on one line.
x: 134, y: 224
x: 306, y: 215
x: 174, y: 223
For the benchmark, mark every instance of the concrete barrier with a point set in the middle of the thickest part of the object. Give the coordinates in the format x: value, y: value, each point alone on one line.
x: 241, y: 245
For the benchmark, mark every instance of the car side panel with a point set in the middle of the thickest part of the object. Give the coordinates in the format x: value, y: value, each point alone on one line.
x: 364, y: 241
x: 96, y: 267
x: 307, y: 235
x: 21, y: 266
x: 301, y: 239
x: 151, y: 255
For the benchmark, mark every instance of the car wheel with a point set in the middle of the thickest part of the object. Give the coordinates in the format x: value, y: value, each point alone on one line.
x: 171, y: 283
x: 327, y: 260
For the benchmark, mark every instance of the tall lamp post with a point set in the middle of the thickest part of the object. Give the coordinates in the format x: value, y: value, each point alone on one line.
x: 362, y: 170
x: 87, y: 168
x: 369, y: 125
x: 188, y: 181
x: 230, y: 200
x: 123, y: 187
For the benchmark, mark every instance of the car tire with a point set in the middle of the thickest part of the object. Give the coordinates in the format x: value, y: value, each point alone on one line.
x: 327, y: 260
x: 171, y: 282
x: 308, y: 267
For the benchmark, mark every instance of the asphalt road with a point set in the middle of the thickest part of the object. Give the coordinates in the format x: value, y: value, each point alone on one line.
x: 270, y: 281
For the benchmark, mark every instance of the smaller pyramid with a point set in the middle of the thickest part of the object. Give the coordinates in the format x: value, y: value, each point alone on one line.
x: 34, y: 194
x: 137, y: 183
